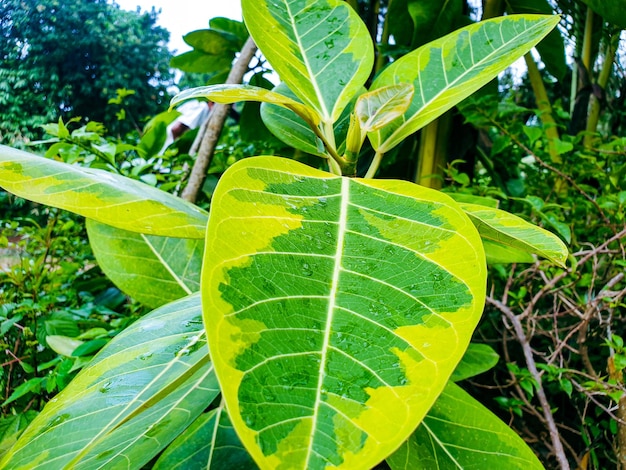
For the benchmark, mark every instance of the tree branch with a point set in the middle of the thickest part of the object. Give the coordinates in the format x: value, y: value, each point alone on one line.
x: 215, y: 126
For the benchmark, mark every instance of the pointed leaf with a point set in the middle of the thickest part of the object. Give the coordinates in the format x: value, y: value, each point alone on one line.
x: 211, y: 42
x: 100, y: 195
x: 209, y: 443
x: 144, y: 388
x: 448, y: 70
x: 153, y: 270
x: 378, y: 108
x: 458, y: 433
x: 337, y: 307
x: 321, y: 49
x: 233, y: 93
x: 477, y: 359
x: 513, y: 234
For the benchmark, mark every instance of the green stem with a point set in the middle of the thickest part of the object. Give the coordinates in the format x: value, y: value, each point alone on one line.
x: 371, y: 171
x: 384, y: 41
x: 588, y: 36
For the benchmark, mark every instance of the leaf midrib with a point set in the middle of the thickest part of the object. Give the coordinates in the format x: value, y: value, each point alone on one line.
x: 341, y: 232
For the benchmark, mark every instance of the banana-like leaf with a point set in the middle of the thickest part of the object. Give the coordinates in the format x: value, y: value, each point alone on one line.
x: 449, y: 69
x: 461, y: 433
x: 321, y: 49
x: 233, y: 93
x: 336, y: 309
x: 477, y: 359
x: 153, y: 270
x: 106, y: 197
x: 295, y: 132
x: 378, y: 108
x: 209, y: 443
x: 144, y: 388
x: 513, y: 240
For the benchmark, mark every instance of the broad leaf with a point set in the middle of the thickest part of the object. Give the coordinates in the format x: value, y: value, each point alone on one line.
x: 145, y: 387
x: 336, y: 309
x: 153, y: 270
x: 611, y: 10
x: 477, y: 359
x: 100, y: 195
x: 234, y: 93
x: 209, y: 443
x: 321, y: 50
x: 511, y: 238
x: 448, y: 70
x: 461, y: 433
x: 378, y: 108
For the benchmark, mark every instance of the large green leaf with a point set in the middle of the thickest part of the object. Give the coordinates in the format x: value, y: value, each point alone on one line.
x: 513, y: 240
x: 336, y: 309
x: 153, y: 270
x: 321, y: 49
x: 144, y: 388
x: 209, y: 443
x: 460, y: 433
x: 611, y: 10
x: 106, y: 197
x: 448, y: 70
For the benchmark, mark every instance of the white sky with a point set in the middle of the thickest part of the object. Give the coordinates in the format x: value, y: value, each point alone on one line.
x: 180, y: 17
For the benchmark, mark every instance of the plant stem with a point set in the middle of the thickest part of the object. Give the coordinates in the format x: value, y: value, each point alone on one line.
x: 215, y: 126
x: 371, y: 171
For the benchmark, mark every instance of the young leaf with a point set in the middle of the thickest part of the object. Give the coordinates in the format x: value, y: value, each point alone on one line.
x: 459, y: 432
x: 336, y: 308
x: 234, y: 93
x: 145, y: 387
x: 477, y: 359
x: 321, y: 49
x: 514, y: 235
x: 448, y: 70
x: 100, y: 195
x: 209, y: 443
x: 153, y: 270
x: 378, y: 108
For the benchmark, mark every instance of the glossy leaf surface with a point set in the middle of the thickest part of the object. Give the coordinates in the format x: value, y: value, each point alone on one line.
x: 235, y: 93
x: 153, y: 270
x: 100, y: 195
x: 209, y: 443
x: 477, y: 359
x: 512, y: 238
x: 460, y: 433
x: 321, y: 50
x: 378, y: 108
x: 336, y: 309
x: 145, y: 387
x: 448, y: 70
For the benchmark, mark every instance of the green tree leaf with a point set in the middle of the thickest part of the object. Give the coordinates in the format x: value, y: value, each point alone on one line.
x: 321, y: 49
x: 378, y: 108
x: 153, y: 270
x: 337, y: 308
x: 477, y: 359
x: 144, y: 388
x: 459, y: 432
x: 513, y: 235
x: 99, y: 195
x: 448, y: 70
x: 209, y: 443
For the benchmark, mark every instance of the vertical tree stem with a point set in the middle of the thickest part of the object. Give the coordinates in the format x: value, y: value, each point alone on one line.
x: 215, y: 125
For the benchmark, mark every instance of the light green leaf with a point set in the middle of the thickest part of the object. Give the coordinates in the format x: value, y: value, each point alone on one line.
x: 209, y: 443
x: 336, y: 309
x: 234, y: 93
x: 63, y: 345
x: 378, y: 108
x: 321, y: 50
x: 144, y: 388
x: 295, y: 132
x: 505, y: 232
x: 446, y: 71
x: 153, y: 270
x: 477, y: 359
x: 461, y: 433
x: 100, y: 195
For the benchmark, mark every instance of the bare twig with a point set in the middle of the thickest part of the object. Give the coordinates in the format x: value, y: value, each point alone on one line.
x: 215, y: 125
